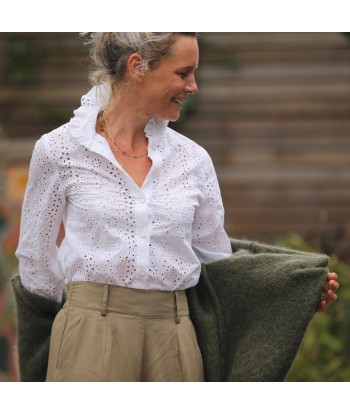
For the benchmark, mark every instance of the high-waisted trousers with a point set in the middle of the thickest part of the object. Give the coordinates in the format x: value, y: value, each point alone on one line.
x: 106, y: 333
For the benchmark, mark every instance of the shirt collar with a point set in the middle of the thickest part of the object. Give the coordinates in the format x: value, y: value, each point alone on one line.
x: 83, y: 125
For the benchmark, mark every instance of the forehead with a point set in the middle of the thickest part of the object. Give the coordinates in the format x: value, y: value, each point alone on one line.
x: 184, y: 52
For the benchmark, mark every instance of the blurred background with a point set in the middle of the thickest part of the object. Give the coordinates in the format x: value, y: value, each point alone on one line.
x: 273, y: 111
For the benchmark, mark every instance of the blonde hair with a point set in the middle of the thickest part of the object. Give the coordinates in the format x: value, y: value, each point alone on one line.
x: 109, y: 52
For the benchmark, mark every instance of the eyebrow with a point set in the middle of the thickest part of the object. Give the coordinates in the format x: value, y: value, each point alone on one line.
x: 189, y: 68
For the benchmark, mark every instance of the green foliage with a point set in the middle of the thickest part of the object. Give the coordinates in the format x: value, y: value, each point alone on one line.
x: 324, y: 355
x: 22, y: 56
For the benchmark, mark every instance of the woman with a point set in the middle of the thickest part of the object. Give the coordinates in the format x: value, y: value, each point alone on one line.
x: 141, y: 209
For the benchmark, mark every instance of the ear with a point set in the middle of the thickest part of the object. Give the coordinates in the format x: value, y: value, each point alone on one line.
x: 133, y: 67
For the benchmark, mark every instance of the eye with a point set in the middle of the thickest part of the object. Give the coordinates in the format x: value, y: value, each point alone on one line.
x: 183, y: 75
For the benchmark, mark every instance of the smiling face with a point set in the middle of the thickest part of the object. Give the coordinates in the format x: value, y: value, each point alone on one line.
x: 165, y: 88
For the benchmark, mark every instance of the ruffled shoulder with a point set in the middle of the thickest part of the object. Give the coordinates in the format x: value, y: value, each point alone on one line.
x: 82, y: 125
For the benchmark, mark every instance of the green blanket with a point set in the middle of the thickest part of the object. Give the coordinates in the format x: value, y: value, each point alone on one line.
x: 250, y: 313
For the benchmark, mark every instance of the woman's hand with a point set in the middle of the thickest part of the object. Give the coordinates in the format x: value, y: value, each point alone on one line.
x: 329, y: 289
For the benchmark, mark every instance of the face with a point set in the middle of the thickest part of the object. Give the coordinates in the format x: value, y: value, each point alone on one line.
x: 167, y: 86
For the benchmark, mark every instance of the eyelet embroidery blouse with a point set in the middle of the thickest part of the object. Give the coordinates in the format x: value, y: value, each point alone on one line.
x: 151, y: 237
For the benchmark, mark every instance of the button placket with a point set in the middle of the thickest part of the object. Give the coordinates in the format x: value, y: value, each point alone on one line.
x: 142, y: 235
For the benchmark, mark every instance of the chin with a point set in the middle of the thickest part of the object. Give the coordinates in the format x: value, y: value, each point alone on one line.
x: 174, y: 117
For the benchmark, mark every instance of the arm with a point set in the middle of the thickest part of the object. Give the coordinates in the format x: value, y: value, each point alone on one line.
x: 42, y: 214
x: 209, y: 239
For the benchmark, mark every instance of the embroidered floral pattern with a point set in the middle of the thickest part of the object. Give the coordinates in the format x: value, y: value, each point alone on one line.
x: 153, y: 237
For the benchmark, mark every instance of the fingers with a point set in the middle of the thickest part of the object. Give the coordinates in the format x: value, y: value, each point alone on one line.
x: 322, y: 306
x: 330, y: 288
x: 333, y: 285
x: 332, y: 276
x: 329, y: 296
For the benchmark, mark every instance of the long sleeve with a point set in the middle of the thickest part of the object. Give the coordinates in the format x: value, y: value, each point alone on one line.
x: 42, y: 213
x: 209, y: 239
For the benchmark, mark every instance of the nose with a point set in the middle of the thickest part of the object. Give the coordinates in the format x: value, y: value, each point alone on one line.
x: 191, y: 86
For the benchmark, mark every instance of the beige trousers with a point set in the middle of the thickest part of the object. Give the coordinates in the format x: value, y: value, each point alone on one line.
x: 106, y: 333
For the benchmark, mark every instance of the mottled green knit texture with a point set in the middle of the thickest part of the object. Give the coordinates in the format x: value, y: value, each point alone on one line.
x: 250, y: 311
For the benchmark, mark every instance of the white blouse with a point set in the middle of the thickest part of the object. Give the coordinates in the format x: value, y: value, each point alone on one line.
x: 151, y: 237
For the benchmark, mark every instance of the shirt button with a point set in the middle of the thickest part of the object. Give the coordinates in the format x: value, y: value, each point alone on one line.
x: 143, y: 234
x: 142, y: 272
x: 155, y: 171
x: 154, y: 147
x: 142, y: 200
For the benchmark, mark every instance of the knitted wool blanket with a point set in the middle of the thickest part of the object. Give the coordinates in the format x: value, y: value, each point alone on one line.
x: 250, y: 313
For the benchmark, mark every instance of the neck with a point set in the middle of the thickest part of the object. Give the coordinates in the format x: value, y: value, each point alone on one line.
x: 141, y: 144
x: 125, y: 125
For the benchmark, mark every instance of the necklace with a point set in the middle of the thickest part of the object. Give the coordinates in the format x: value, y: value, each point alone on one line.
x: 102, y: 122
x: 105, y: 130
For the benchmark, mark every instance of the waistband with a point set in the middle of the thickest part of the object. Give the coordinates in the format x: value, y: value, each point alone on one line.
x: 129, y: 301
